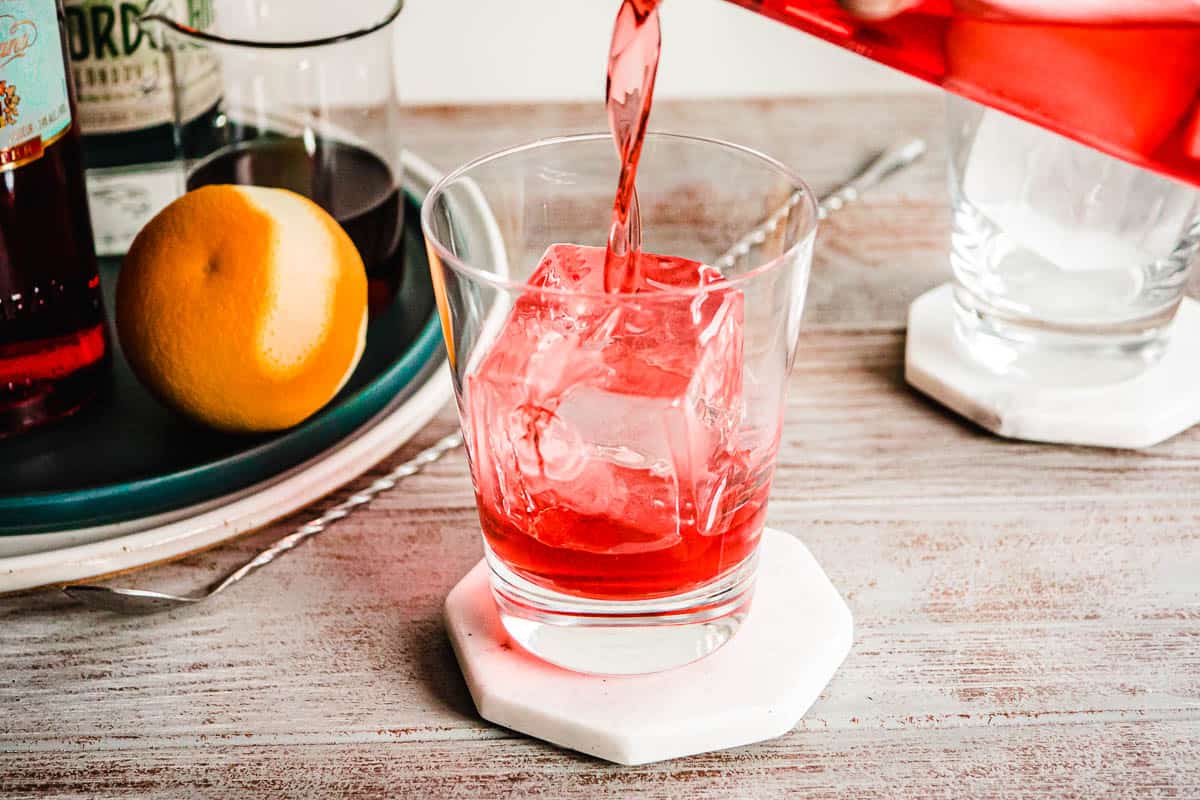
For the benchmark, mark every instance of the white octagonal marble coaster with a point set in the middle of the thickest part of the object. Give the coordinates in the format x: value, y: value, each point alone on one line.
x: 756, y: 687
x: 1140, y: 412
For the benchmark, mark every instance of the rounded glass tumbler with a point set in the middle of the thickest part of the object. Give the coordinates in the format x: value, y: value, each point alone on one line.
x: 622, y: 445
x: 284, y: 95
x: 1069, y: 265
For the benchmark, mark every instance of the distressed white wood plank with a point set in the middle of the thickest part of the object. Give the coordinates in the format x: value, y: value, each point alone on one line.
x: 958, y: 628
x: 980, y: 608
x: 872, y: 258
x: 1027, y: 617
x: 1066, y: 762
x: 982, y: 596
x: 855, y: 430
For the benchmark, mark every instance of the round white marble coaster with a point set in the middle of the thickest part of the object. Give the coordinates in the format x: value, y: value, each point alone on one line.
x: 756, y: 687
x: 1140, y: 412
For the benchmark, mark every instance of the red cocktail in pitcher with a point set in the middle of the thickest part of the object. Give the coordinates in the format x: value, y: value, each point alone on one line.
x: 1121, y: 76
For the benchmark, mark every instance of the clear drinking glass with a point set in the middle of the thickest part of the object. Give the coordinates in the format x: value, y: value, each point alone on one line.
x: 621, y: 445
x: 307, y: 102
x: 1069, y: 264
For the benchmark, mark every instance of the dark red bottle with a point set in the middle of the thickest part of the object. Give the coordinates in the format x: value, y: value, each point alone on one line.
x: 53, y: 343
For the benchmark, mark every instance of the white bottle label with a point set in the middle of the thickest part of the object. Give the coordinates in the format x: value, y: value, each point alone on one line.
x: 122, y: 77
x: 123, y: 200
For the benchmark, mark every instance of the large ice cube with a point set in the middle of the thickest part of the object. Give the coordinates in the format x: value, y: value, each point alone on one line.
x: 1077, y: 208
x: 621, y: 407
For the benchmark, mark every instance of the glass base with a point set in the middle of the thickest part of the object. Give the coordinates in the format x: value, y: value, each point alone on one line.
x: 609, y: 637
x: 1058, y: 355
x: 48, y: 400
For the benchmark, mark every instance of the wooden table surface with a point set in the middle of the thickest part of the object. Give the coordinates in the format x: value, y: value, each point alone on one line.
x: 1027, y: 617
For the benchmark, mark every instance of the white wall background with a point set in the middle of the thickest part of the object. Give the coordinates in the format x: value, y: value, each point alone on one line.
x: 479, y: 51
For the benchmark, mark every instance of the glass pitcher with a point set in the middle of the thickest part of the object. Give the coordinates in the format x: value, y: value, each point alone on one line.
x: 307, y: 102
x: 1069, y: 264
x: 1121, y: 76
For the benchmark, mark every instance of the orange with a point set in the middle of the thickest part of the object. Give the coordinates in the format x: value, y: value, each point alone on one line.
x: 243, y: 307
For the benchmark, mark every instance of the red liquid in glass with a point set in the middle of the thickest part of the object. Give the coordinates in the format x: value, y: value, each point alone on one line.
x: 53, y: 345
x: 695, y: 561
x: 603, y: 421
x: 612, y: 465
x: 1124, y: 79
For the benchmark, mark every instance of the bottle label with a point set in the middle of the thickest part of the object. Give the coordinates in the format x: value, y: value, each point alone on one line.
x: 35, y: 109
x: 123, y: 200
x: 122, y: 76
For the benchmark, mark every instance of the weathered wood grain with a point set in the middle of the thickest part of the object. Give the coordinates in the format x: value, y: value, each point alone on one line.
x: 1027, y: 617
x: 873, y: 257
x: 1067, y: 762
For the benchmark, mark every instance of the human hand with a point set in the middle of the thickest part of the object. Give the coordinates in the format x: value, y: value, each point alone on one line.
x: 877, y: 9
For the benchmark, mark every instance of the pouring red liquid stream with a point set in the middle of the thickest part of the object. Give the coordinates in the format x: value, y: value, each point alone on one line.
x: 632, y: 68
x: 1120, y: 76
x: 686, y: 503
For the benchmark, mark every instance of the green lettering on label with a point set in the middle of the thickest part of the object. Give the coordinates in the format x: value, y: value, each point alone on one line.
x: 123, y: 80
x: 104, y: 19
x: 77, y: 34
x: 131, y: 32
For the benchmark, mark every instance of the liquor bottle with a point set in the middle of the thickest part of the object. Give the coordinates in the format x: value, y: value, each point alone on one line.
x: 126, y: 110
x: 1121, y: 76
x: 53, y: 342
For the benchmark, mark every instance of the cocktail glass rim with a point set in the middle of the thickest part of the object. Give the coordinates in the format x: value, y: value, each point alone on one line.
x: 157, y: 12
x: 489, y: 277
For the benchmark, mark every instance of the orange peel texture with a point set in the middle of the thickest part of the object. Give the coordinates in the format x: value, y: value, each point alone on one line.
x: 243, y: 307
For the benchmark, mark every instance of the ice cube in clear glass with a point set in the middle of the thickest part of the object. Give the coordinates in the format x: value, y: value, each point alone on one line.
x: 610, y: 407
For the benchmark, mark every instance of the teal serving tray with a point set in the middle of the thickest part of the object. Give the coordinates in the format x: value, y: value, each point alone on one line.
x: 126, y: 457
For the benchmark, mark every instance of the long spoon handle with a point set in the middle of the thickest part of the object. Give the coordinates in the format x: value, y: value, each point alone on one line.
x: 342, y: 510
x: 884, y: 165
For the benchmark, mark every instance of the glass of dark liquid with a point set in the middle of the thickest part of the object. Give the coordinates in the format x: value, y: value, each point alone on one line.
x: 308, y: 103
